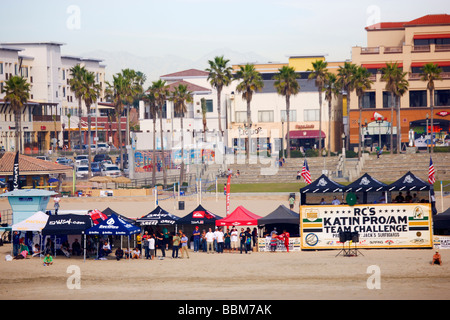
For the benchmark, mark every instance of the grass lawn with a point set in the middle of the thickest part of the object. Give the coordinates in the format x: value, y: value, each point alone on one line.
x: 295, y: 187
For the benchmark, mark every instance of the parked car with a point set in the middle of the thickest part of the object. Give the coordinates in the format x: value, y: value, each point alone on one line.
x: 80, y: 158
x: 111, y: 170
x: 82, y: 172
x: 96, y: 168
x: 101, y: 157
x: 65, y: 161
x: 82, y: 162
x: 77, y: 147
x: 125, y: 158
x: 102, y: 147
x: 43, y: 158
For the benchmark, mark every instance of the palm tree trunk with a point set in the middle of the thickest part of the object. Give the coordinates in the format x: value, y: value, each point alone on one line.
x: 18, y: 127
x: 79, y: 123
x: 163, y: 164
x: 154, y: 153
x: 329, y: 128
x: 182, y: 153
x: 219, y: 112
x: 249, y: 131
x: 288, y: 120
x: 392, y: 124
x: 119, y: 131
x: 432, y: 120
x: 399, y: 127
x: 359, y: 127
x: 89, y: 141
x: 320, y: 121
x: 347, y: 133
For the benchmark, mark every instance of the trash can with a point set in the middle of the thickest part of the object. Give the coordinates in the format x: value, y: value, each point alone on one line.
x: 180, y: 205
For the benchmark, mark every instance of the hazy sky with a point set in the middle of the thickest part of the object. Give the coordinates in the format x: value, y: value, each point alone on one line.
x: 193, y: 28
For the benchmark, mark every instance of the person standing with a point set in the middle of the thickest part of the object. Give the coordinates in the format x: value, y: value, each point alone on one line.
x: 286, y: 236
x: 234, y: 239
x: 209, y: 241
x: 196, y: 234
x: 175, y: 245
x: 248, y: 240
x: 56, y: 201
x: 139, y: 242
x: 220, y: 240
x: 243, y: 238
x: 291, y: 202
x: 151, y: 246
x: 184, y: 246
x: 160, y: 244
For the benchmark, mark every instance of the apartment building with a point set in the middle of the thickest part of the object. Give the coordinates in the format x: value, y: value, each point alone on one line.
x: 269, y: 114
x: 411, y: 44
x: 48, y: 72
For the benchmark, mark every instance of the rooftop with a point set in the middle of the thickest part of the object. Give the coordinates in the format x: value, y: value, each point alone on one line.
x: 186, y: 74
x: 428, y: 20
x: 29, y: 165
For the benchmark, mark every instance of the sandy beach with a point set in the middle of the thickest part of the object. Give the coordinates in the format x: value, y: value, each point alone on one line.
x: 402, y: 274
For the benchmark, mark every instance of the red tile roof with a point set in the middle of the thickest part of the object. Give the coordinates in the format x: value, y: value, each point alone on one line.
x: 431, y: 19
x: 187, y: 73
x: 190, y: 86
x: 29, y: 165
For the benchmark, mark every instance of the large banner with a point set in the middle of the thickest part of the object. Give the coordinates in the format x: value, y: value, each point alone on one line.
x: 378, y: 225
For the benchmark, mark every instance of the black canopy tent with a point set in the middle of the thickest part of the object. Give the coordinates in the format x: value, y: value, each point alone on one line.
x: 199, y: 216
x: 67, y: 224
x: 108, y: 212
x: 322, y: 185
x: 441, y: 223
x: 159, y: 216
x: 282, y: 218
x: 367, y: 186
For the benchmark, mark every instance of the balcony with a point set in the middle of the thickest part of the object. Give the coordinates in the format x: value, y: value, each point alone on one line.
x: 370, y: 50
x: 46, y: 118
x: 442, y: 47
x: 389, y: 50
x: 417, y: 76
x: 416, y: 49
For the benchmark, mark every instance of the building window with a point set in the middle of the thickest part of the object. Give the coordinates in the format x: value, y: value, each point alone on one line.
x: 1, y: 67
x: 418, y: 98
x: 241, y: 116
x: 265, y: 116
x: 387, y: 99
x: 312, y: 115
x: 209, y: 106
x: 292, y: 115
x: 369, y: 100
x: 442, y: 98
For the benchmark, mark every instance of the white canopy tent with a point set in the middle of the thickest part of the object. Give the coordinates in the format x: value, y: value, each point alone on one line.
x: 35, y: 223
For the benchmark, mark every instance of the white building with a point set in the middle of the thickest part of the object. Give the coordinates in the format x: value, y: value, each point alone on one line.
x: 48, y: 73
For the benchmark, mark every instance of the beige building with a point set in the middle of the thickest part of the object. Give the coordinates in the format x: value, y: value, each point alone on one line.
x: 411, y: 44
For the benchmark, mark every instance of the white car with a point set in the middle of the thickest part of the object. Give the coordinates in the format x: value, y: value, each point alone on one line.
x: 111, y: 170
x: 82, y: 172
x: 102, y: 147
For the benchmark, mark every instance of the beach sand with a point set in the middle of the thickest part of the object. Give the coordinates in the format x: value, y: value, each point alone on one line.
x: 403, y: 274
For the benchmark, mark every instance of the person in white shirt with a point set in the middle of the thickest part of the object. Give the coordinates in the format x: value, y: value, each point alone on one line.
x: 210, y: 237
x: 335, y: 202
x: 215, y: 240
x: 151, y: 247
x: 220, y: 240
x: 234, y: 239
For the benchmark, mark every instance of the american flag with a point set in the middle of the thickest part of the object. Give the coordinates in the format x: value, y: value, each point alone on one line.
x: 305, y: 173
x: 97, y: 216
x: 431, y: 173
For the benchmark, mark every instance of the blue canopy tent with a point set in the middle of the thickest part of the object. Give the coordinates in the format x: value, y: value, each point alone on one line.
x: 114, y: 225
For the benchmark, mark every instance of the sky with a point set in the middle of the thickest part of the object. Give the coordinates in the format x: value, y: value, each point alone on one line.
x: 192, y: 28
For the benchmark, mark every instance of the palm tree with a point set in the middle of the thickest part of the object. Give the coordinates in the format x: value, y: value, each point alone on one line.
x: 180, y: 96
x: 430, y: 73
x: 287, y: 85
x: 17, y: 93
x: 346, y: 82
x: 362, y: 84
x: 394, y: 78
x: 90, y: 95
x: 204, y: 111
x: 134, y: 89
x: 160, y: 91
x: 331, y: 89
x: 149, y: 97
x: 76, y: 86
x: 116, y: 92
x: 220, y: 75
x: 251, y: 81
x: 319, y: 72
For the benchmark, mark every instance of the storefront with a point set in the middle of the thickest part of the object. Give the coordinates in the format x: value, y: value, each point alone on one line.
x: 306, y: 139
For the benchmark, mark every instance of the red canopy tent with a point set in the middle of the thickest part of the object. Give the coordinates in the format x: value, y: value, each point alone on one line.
x: 239, y: 217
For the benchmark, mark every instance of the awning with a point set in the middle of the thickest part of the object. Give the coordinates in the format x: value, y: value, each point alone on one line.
x: 439, y: 63
x: 379, y: 65
x: 306, y: 134
x: 432, y: 36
